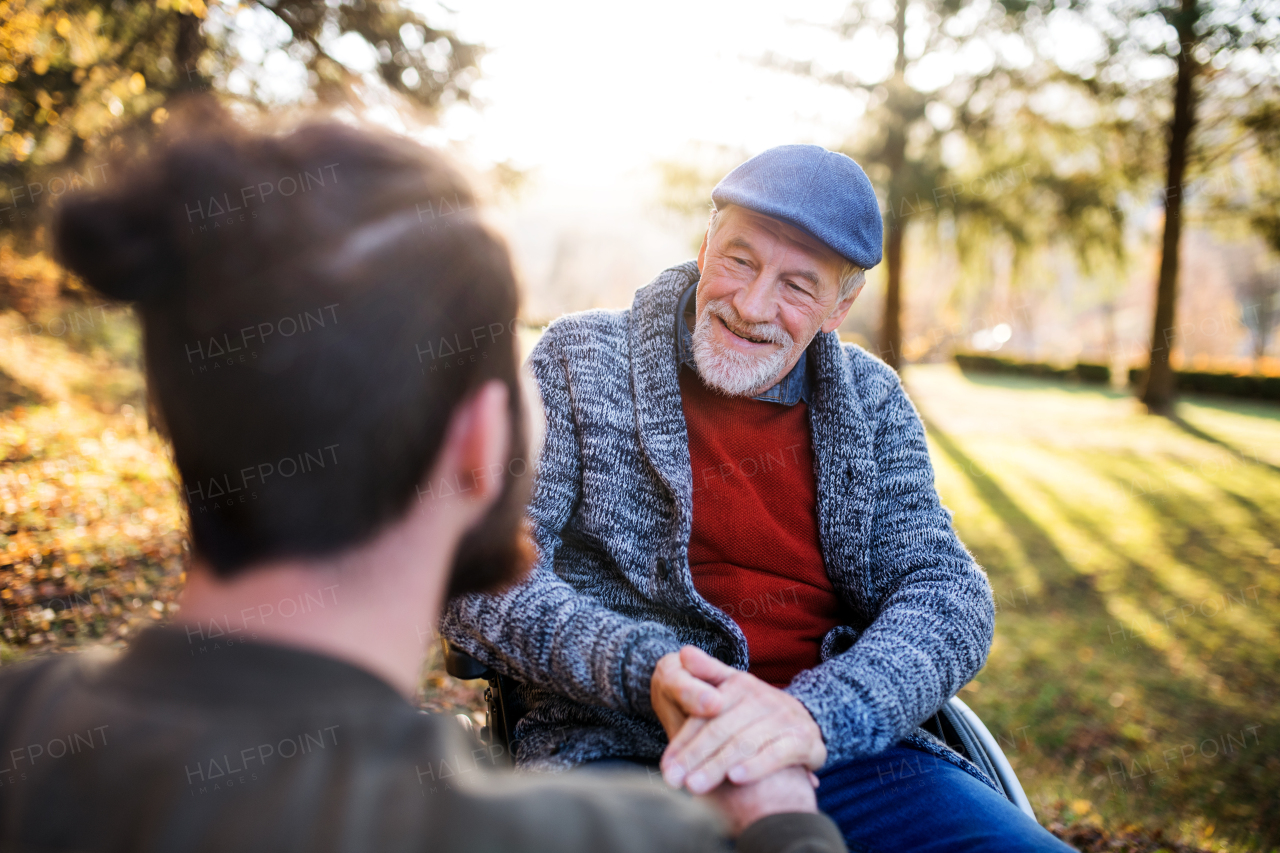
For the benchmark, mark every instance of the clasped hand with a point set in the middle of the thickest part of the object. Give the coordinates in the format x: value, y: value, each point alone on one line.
x: 727, y: 725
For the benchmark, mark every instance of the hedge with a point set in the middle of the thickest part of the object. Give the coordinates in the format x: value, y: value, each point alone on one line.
x: 1249, y: 386
x: 1093, y: 374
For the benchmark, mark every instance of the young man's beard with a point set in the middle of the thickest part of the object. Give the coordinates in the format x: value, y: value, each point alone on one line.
x: 498, y: 552
x: 736, y: 374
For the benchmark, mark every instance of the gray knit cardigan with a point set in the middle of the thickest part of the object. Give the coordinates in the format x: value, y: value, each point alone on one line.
x: 612, y: 591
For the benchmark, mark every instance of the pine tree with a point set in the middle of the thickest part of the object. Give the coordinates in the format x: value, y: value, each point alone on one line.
x: 1220, y: 56
x: 1003, y: 126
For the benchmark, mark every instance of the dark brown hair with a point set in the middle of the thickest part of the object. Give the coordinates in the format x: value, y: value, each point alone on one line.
x: 314, y: 307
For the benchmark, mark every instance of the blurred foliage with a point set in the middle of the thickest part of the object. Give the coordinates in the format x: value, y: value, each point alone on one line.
x: 1257, y: 197
x: 1243, y: 193
x: 1221, y: 61
x: 997, y: 150
x: 995, y: 156
x: 29, y: 283
x: 74, y: 73
x: 1033, y: 148
x: 1087, y: 834
x: 1092, y: 374
x: 1135, y: 561
x: 685, y: 183
x: 1257, y: 385
x: 444, y: 694
x: 91, y: 541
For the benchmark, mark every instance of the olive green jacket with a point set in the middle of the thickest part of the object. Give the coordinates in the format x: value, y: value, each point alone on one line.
x: 193, y: 742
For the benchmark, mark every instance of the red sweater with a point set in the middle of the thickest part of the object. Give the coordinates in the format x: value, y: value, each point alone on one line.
x: 754, y: 552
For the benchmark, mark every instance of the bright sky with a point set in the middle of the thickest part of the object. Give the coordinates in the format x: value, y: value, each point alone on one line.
x: 582, y: 90
x: 587, y: 97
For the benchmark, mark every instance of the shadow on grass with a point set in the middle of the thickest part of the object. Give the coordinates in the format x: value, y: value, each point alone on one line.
x: 1169, y: 706
x: 1143, y: 580
x: 1249, y: 505
x: 1184, y: 696
x: 1235, y: 406
x: 1181, y: 515
x: 1055, y: 570
x: 1196, y: 432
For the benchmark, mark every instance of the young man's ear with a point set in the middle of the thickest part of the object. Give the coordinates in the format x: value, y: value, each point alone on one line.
x: 476, y: 446
x: 535, y: 417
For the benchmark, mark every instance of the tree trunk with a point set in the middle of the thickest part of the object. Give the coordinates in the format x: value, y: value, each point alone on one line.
x: 1160, y: 390
x: 1266, y: 299
x: 187, y: 50
x: 891, y: 327
x: 895, y: 155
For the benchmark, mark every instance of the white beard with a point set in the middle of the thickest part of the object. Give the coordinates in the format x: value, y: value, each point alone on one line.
x: 732, y: 373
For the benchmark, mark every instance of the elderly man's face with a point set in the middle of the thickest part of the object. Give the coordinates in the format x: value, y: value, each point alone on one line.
x: 766, y: 289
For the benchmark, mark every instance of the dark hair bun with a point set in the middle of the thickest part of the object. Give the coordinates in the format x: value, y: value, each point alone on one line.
x: 121, y: 246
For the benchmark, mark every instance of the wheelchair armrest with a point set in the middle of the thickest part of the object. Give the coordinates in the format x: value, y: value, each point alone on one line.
x: 459, y: 664
x: 503, y: 707
x: 984, y: 750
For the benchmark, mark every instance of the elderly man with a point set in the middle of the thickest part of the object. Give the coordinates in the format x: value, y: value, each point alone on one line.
x: 743, y: 564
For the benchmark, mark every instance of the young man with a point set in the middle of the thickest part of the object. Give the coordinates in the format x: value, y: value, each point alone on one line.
x: 344, y: 475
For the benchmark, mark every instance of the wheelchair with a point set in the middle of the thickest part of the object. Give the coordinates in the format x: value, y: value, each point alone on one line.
x: 955, y: 724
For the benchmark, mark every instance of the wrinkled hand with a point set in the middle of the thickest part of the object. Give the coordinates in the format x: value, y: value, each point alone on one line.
x: 755, y: 731
x: 676, y: 694
x: 788, y: 790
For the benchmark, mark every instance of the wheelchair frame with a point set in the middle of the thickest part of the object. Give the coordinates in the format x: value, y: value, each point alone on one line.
x: 955, y: 724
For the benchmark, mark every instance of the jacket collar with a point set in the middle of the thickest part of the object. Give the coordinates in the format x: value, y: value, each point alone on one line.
x: 656, y: 387
x: 845, y: 472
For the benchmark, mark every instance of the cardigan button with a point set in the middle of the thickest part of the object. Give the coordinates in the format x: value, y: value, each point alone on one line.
x: 662, y: 569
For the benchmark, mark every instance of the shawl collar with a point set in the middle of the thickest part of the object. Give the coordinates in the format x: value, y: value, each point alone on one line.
x: 844, y: 470
x: 655, y: 386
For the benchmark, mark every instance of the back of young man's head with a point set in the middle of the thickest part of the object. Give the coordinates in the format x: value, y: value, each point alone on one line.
x: 314, y: 306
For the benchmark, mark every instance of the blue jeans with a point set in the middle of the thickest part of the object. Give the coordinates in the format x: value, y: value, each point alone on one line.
x: 907, y: 800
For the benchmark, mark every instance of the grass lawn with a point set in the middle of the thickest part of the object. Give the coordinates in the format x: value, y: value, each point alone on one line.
x: 1136, y: 667
x: 1134, y: 675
